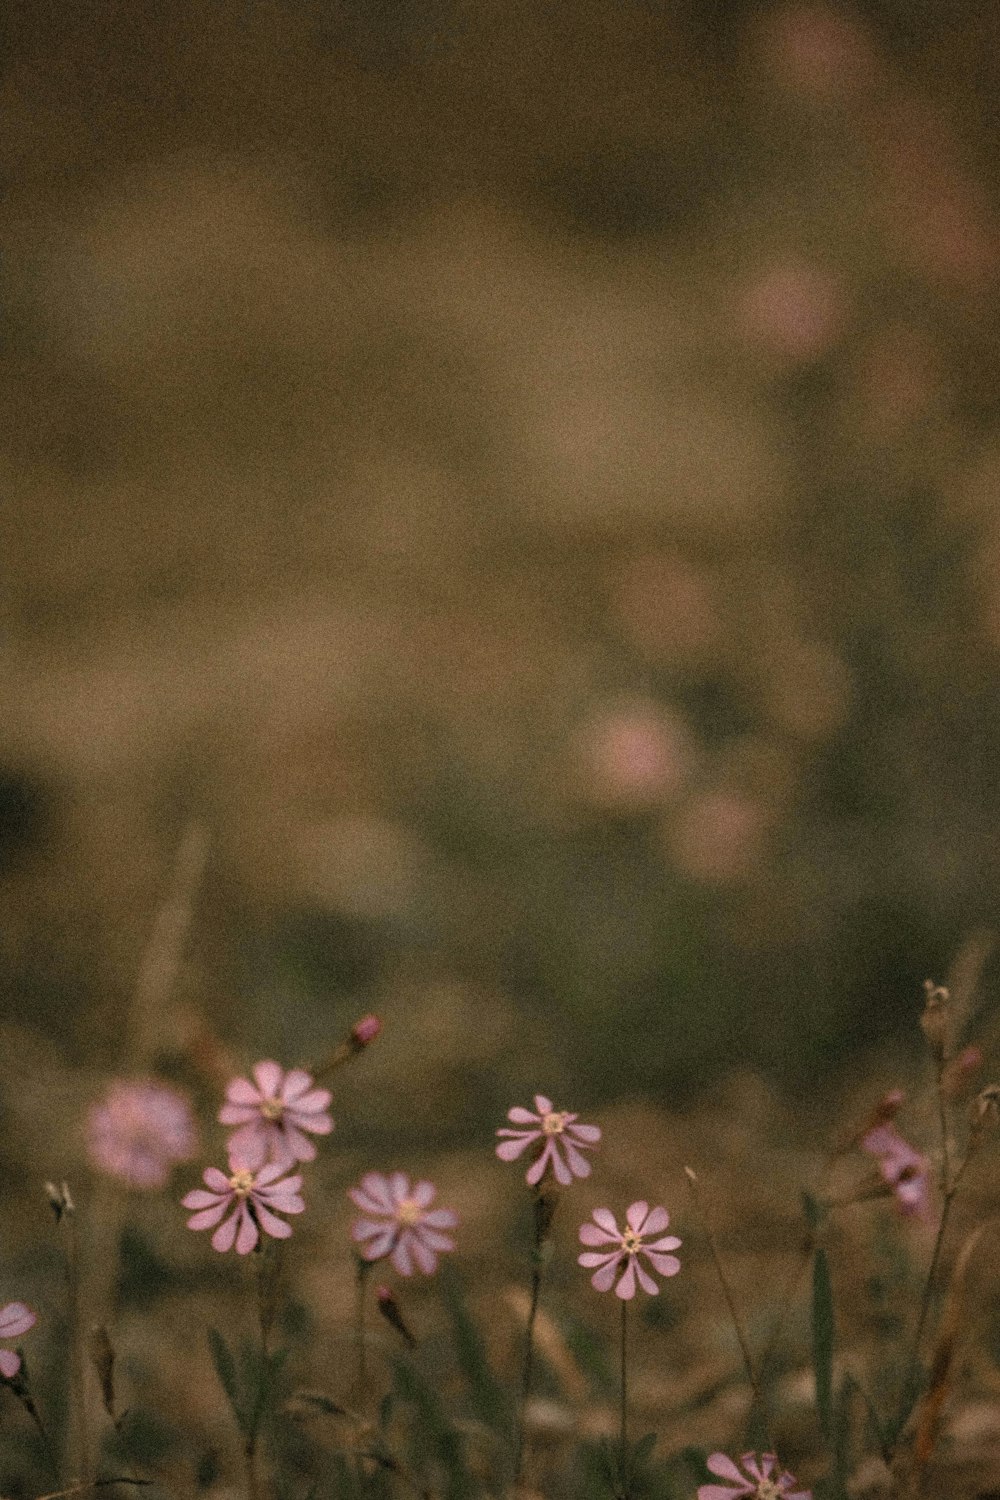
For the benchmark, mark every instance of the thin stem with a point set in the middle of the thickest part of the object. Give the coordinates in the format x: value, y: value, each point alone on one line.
x: 78, y: 1427
x: 623, y: 1412
x: 544, y: 1206
x: 527, y: 1367
x: 362, y: 1269
x: 748, y: 1363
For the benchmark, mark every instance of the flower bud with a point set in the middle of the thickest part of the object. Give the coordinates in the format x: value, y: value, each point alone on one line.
x: 364, y: 1032
x: 934, y: 1021
x: 389, y: 1308
x: 60, y: 1200
x: 986, y: 1107
x: 887, y: 1108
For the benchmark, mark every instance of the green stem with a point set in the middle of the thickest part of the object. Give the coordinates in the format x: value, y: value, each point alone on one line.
x: 623, y: 1414
x: 544, y: 1207
x: 362, y: 1269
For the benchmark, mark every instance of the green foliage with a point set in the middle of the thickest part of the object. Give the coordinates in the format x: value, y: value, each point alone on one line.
x: 250, y: 1383
x: 822, y: 1342
x: 488, y: 1397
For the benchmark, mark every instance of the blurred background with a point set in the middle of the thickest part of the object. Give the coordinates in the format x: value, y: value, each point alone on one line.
x: 524, y: 477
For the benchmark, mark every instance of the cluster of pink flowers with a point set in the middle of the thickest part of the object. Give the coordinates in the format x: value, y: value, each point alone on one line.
x: 274, y: 1114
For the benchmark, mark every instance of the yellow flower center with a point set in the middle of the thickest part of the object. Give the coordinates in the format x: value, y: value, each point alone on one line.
x: 554, y: 1123
x: 768, y: 1490
x: 631, y: 1241
x: 272, y: 1109
x: 409, y: 1213
x: 241, y: 1182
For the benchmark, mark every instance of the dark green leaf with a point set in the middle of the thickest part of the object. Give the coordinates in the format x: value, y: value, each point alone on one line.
x: 489, y: 1399
x: 822, y: 1341
x: 225, y: 1368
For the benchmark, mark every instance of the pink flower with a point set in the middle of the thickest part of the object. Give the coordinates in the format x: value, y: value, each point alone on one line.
x: 139, y: 1131
x: 904, y: 1169
x: 560, y: 1133
x: 273, y: 1116
x: 620, y: 1266
x: 760, y: 1481
x: 401, y: 1223
x: 253, y: 1197
x: 15, y: 1319
x: 364, y: 1032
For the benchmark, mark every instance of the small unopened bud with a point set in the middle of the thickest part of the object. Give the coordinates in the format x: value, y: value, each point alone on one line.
x: 887, y: 1108
x: 364, y: 1032
x: 960, y: 1073
x: 934, y: 1021
x: 389, y: 1308
x: 60, y: 1199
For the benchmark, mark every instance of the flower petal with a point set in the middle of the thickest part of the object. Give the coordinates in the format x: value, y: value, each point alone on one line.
x: 511, y: 1150
x: 238, y: 1114
x: 271, y: 1224
x: 636, y: 1215
x: 543, y: 1105
x: 247, y: 1234
x: 399, y: 1188
x: 520, y: 1116
x: 10, y: 1363
x: 197, y: 1198
x: 666, y: 1265
x: 591, y: 1258
x: 242, y: 1091
x: 589, y: 1134
x: 626, y: 1284
x: 722, y: 1465
x: 591, y: 1235
x: 269, y: 1076
x: 669, y: 1242
x: 296, y: 1083
x: 604, y: 1279
x: 208, y: 1216
x: 222, y: 1239
x: 401, y: 1257
x: 607, y: 1220
x: 378, y: 1244
x: 656, y: 1223
x: 645, y: 1280
x: 578, y: 1165
x: 441, y: 1218
x: 16, y: 1318
x: 216, y: 1180
x: 248, y: 1146
x: 423, y: 1254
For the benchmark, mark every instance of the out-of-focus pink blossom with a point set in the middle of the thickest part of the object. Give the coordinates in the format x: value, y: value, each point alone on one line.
x: 633, y: 755
x: 620, y: 1266
x: 274, y: 1115
x: 902, y: 1167
x: 718, y: 836
x: 139, y: 1131
x: 758, y: 1480
x: 824, y: 55
x: 400, y: 1223
x: 251, y: 1199
x: 15, y: 1319
x: 562, y: 1141
x: 793, y: 310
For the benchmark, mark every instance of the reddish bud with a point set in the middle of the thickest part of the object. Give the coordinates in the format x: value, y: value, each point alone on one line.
x: 364, y: 1032
x: 887, y: 1108
x: 389, y: 1308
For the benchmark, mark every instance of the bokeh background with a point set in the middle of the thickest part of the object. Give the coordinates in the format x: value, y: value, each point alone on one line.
x: 523, y: 478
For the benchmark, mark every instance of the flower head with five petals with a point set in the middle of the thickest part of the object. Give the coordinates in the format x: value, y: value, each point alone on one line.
x: 617, y: 1263
x: 562, y: 1141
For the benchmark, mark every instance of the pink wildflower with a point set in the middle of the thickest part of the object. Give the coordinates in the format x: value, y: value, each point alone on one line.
x: 402, y: 1225
x: 139, y: 1131
x: 560, y: 1134
x: 253, y: 1195
x: 620, y: 1266
x: 903, y: 1168
x: 15, y: 1319
x: 274, y: 1115
x: 759, y: 1481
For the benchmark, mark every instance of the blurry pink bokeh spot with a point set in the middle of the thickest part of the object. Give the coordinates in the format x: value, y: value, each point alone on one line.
x: 718, y: 837
x: 633, y: 755
x: 794, y: 311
